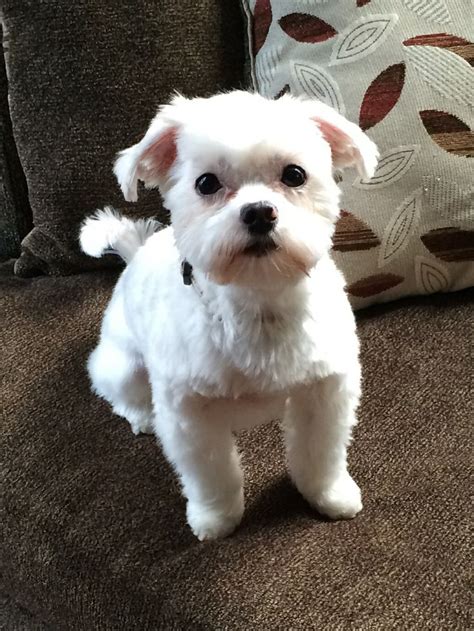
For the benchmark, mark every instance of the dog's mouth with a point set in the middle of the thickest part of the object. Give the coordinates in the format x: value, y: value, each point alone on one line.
x: 260, y: 247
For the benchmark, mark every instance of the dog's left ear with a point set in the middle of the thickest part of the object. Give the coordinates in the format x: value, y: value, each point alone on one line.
x: 151, y: 159
x: 350, y: 146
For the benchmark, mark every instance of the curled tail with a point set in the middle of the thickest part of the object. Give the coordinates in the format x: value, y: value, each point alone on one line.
x: 107, y: 232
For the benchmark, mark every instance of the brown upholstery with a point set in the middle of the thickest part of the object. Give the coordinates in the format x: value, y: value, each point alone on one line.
x: 93, y: 529
x: 85, y: 79
x: 15, y: 212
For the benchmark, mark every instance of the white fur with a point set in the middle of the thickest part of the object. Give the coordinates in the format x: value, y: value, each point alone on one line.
x: 108, y: 232
x: 252, y: 339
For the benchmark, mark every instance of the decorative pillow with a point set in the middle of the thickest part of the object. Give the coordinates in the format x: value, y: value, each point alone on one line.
x: 403, y: 72
x: 85, y: 79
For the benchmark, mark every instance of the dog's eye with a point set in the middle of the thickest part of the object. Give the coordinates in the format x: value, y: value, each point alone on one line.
x: 208, y: 184
x: 293, y: 176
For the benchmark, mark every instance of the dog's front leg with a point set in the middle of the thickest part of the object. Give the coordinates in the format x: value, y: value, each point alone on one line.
x: 202, y: 450
x: 318, y: 424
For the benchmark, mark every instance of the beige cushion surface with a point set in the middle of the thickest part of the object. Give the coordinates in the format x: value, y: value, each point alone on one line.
x: 403, y: 72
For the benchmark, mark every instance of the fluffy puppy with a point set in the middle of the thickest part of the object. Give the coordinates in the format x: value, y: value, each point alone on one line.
x: 235, y: 314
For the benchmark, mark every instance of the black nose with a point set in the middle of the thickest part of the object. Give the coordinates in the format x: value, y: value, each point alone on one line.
x: 259, y: 217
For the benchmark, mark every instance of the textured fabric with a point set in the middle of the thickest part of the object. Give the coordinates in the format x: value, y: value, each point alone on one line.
x: 15, y: 213
x: 14, y: 618
x: 85, y: 79
x: 93, y: 532
x: 403, y: 72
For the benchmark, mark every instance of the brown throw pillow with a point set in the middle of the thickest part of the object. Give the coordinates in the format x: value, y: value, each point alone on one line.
x: 403, y: 72
x: 85, y: 79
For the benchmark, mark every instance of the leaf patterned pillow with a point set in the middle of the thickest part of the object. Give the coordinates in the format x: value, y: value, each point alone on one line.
x: 403, y: 71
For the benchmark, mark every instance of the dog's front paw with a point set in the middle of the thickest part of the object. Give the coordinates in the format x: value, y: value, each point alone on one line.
x: 216, y: 521
x: 340, y: 500
x: 142, y: 425
x: 140, y: 418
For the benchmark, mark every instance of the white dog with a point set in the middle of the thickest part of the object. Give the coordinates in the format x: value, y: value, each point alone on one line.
x: 236, y: 314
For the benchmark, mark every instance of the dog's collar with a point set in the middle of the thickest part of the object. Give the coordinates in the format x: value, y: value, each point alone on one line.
x: 189, y: 279
x: 187, y: 272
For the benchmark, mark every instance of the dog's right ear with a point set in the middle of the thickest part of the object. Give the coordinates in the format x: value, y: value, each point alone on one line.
x: 151, y: 158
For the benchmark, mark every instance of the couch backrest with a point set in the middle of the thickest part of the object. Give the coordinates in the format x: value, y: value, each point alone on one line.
x: 85, y: 78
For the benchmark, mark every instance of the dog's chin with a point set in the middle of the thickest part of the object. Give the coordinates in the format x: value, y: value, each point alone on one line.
x: 263, y: 263
x: 260, y: 247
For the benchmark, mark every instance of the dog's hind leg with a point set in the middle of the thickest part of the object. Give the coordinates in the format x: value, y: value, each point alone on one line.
x: 119, y: 376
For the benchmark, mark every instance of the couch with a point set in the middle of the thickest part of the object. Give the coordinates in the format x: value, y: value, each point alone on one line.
x: 93, y: 534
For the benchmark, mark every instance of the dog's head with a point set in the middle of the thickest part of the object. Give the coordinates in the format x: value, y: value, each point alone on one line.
x: 249, y: 181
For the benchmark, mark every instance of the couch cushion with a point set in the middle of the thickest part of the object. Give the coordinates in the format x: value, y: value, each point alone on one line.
x: 93, y: 529
x: 15, y: 212
x: 13, y: 617
x: 86, y: 78
x: 402, y: 71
